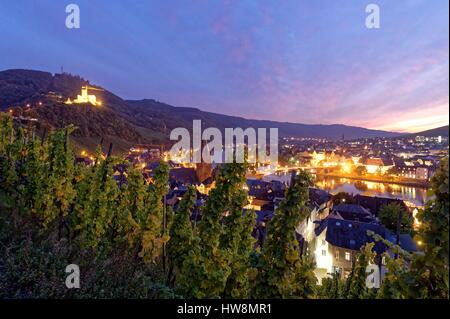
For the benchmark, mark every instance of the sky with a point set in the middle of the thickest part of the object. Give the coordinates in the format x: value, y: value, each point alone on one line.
x: 286, y: 60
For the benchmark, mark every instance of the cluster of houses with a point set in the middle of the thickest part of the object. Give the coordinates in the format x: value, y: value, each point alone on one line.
x: 418, y: 167
x: 143, y: 154
x: 331, y: 234
x: 334, y: 234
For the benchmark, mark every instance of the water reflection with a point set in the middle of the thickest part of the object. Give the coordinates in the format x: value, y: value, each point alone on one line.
x: 415, y: 196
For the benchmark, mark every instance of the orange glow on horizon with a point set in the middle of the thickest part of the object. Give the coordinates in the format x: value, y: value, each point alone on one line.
x: 422, y: 121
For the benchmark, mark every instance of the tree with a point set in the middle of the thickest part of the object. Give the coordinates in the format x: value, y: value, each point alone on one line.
x: 57, y: 193
x: 331, y: 287
x: 96, y: 206
x: 343, y: 198
x: 306, y: 278
x: 34, y: 171
x: 181, y: 234
x: 44, y: 194
x: 132, y: 211
x: 394, y: 170
x: 6, y: 132
x: 432, y: 268
x: 9, y: 152
x: 361, y: 170
x: 152, y: 234
x: 282, y: 272
x: 356, y: 282
x: 236, y: 238
x: 220, y: 240
x: 238, y: 283
x: 394, y: 284
x: 425, y: 275
x: 389, y: 215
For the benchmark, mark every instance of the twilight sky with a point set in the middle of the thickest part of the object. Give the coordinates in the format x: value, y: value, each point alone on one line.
x: 297, y: 60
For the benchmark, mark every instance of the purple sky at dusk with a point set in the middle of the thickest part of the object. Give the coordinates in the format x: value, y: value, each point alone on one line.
x: 296, y: 61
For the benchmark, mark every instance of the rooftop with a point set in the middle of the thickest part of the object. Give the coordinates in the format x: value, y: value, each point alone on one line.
x: 350, y: 234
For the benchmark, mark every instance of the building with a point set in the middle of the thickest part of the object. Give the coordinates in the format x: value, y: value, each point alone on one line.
x: 85, y: 97
x: 378, y: 165
x: 259, y: 204
x: 413, y: 172
x: 320, y: 204
x: 206, y: 186
x: 354, y: 212
x: 261, y: 189
x: 374, y: 203
x: 406, y: 242
x: 338, y: 241
x: 182, y: 176
x: 422, y: 173
x: 203, y: 171
x: 260, y: 231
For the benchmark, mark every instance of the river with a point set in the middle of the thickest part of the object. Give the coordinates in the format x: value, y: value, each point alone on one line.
x: 414, y: 196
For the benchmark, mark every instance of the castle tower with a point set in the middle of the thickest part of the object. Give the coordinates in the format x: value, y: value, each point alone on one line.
x: 202, y: 169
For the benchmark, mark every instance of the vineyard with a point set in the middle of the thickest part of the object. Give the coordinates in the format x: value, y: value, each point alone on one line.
x: 128, y: 244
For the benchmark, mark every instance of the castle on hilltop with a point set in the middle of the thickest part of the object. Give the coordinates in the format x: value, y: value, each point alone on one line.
x: 85, y: 97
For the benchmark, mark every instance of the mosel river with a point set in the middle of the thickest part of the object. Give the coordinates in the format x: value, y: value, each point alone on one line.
x: 414, y: 196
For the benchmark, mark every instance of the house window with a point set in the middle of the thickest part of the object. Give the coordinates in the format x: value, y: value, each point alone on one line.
x: 347, y: 255
x: 383, y: 260
x: 336, y: 254
x: 337, y: 270
x: 324, y: 252
x: 324, y: 242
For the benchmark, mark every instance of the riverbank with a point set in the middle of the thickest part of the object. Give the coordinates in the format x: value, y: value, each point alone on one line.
x: 410, y: 183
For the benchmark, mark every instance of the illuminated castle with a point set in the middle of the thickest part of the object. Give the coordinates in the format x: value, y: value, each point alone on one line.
x: 85, y: 97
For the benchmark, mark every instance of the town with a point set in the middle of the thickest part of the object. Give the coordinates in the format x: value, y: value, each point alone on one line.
x: 338, y: 222
x: 236, y: 157
x: 382, y: 172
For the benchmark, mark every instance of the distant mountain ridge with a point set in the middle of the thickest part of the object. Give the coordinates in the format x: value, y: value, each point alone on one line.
x: 438, y: 131
x: 183, y: 117
x: 135, y: 121
x: 21, y: 87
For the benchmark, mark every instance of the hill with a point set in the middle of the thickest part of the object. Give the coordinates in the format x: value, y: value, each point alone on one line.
x: 439, y: 131
x: 126, y: 122
x: 168, y: 117
x: 45, y: 94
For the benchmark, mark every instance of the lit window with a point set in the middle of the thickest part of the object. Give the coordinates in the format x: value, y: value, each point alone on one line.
x: 324, y: 252
x: 347, y: 255
x: 337, y: 270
